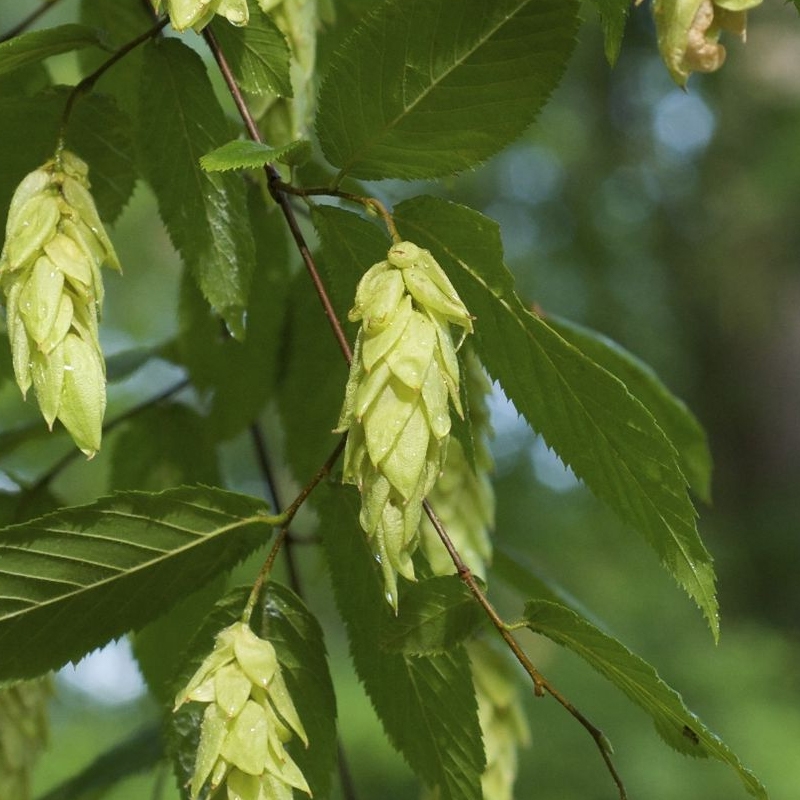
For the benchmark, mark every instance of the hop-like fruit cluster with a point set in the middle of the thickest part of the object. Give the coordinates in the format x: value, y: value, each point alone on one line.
x: 23, y: 734
x: 50, y: 273
x: 502, y: 723
x: 689, y: 31
x: 196, y: 14
x: 247, y: 722
x: 463, y: 496
x: 404, y: 373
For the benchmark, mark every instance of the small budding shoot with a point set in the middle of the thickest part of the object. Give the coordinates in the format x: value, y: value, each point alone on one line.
x: 196, y: 14
x: 689, y: 30
x: 463, y: 496
x: 404, y: 375
x: 50, y: 274
x: 249, y: 719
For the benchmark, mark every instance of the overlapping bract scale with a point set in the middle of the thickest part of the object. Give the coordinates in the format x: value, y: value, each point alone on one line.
x: 50, y: 274
x: 463, y: 496
x: 403, y: 376
x: 249, y: 718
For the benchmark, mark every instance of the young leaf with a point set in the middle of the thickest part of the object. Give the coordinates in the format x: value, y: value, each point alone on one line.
x: 205, y: 214
x: 613, y: 16
x: 120, y: 561
x: 426, y: 88
x: 297, y: 638
x: 435, y: 615
x: 677, y: 726
x: 427, y: 703
x: 585, y: 414
x: 246, y: 154
x: 257, y: 53
x: 31, y: 48
x: 672, y: 415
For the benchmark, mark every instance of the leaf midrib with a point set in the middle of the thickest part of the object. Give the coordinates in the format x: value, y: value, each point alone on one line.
x: 391, y: 124
x: 165, y: 555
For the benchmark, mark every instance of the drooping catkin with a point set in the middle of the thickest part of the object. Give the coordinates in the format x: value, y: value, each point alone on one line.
x: 403, y: 377
x: 50, y: 274
x: 248, y: 720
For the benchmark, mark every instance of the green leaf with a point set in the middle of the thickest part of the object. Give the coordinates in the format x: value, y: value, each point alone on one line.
x: 164, y: 446
x: 613, y: 16
x: 673, y: 417
x: 28, y: 131
x: 350, y: 246
x: 160, y: 647
x: 309, y: 398
x: 139, y: 752
x: 435, y: 615
x: 677, y: 726
x: 31, y: 48
x: 257, y: 53
x: 120, y: 561
x: 246, y: 154
x: 205, y: 214
x: 426, y: 88
x: 241, y: 375
x: 427, y: 703
x: 99, y: 132
x: 297, y: 638
x: 120, y: 23
x: 584, y: 413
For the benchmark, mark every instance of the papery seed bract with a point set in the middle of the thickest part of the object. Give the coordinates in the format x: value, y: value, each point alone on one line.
x: 255, y: 656
x: 83, y: 401
x: 213, y: 730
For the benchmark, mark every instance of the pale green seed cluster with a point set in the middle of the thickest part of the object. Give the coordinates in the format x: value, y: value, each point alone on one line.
x: 396, y: 410
x: 502, y: 722
x: 196, y: 14
x: 463, y: 496
x: 247, y: 722
x: 50, y: 273
x: 23, y: 734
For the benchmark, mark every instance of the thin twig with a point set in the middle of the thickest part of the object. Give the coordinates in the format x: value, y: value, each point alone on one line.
x: 372, y: 204
x: 28, y: 21
x: 69, y: 457
x: 84, y: 86
x: 274, y: 183
x: 540, y: 684
x: 285, y: 538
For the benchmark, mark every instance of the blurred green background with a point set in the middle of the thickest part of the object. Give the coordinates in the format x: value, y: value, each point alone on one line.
x: 668, y: 221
